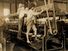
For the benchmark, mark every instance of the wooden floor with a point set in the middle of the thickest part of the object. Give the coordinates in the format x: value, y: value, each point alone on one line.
x: 23, y: 48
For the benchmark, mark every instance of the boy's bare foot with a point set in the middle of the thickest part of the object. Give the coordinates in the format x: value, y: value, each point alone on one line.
x: 28, y: 42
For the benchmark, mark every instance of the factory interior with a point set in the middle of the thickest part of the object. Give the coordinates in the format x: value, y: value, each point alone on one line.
x: 33, y: 25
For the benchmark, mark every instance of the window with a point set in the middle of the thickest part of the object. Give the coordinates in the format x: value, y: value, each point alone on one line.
x: 6, y: 11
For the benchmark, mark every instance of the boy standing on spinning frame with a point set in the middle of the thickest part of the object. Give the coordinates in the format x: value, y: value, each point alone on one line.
x: 30, y: 22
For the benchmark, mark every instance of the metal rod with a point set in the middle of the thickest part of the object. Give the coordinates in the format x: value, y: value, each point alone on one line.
x: 45, y: 37
x: 64, y: 44
x: 44, y: 46
x: 50, y: 29
x: 54, y: 19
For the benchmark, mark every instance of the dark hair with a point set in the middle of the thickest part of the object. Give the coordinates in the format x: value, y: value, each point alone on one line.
x: 31, y: 5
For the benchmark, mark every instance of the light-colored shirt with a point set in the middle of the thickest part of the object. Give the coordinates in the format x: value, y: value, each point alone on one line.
x: 21, y: 12
x: 31, y: 14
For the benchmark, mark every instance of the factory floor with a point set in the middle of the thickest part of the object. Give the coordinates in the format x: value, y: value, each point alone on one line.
x: 26, y: 49
x: 23, y: 48
x: 12, y: 47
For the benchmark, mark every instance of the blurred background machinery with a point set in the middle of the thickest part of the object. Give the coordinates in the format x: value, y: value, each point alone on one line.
x: 55, y: 18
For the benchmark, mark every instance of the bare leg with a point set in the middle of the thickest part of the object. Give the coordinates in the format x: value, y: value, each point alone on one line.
x: 35, y: 31
x: 27, y: 34
x: 19, y: 28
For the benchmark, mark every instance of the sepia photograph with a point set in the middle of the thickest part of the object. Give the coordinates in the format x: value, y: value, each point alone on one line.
x: 33, y: 25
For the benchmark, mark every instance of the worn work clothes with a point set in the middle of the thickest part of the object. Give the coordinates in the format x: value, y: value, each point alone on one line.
x: 19, y: 27
x: 21, y: 12
x: 30, y: 22
x: 31, y: 16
